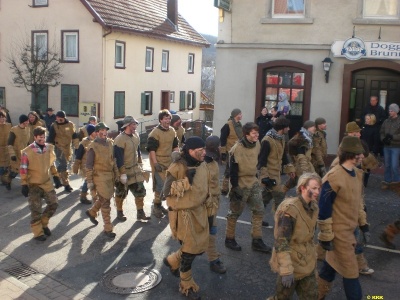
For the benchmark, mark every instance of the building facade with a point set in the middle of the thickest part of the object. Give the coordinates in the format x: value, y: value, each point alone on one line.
x: 118, y: 58
x: 273, y: 49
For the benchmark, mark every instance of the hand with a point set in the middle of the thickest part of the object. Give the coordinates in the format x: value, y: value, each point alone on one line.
x: 322, y: 170
x: 190, y: 174
x: 326, y: 245
x: 223, y: 157
x: 366, y: 237
x: 123, y: 178
x: 90, y: 186
x: 13, y: 158
x: 268, y: 182
x: 25, y: 190
x: 236, y: 194
x: 158, y: 167
x: 57, y: 182
x: 287, y: 280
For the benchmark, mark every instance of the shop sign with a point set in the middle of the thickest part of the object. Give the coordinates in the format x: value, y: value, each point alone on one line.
x: 87, y: 109
x: 355, y: 48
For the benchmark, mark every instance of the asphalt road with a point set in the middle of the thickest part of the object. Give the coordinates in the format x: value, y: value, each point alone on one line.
x: 78, y: 254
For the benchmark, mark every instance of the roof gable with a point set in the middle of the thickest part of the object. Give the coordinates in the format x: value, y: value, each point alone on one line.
x: 148, y: 17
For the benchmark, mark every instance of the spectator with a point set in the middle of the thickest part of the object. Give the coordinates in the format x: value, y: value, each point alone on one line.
x: 263, y: 121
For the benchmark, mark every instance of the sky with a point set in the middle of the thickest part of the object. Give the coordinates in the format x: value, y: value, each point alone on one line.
x: 201, y: 14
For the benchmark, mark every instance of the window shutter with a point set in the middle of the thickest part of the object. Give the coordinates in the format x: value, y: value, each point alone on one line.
x: 182, y: 100
x: 194, y: 100
x: 142, y: 103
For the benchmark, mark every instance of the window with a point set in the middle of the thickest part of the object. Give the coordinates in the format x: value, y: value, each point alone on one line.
x: 165, y: 61
x: 149, y: 59
x: 191, y: 100
x: 119, y: 54
x: 42, y: 98
x: 381, y: 9
x: 70, y: 46
x: 39, y: 3
x: 2, y: 96
x: 191, y: 63
x: 39, y: 45
x: 171, y: 97
x: 182, y: 100
x: 146, y: 107
x: 288, y: 8
x: 70, y: 99
x: 285, y: 89
x: 119, y: 105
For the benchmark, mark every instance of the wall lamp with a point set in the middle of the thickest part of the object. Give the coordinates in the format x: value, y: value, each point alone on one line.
x: 327, y: 62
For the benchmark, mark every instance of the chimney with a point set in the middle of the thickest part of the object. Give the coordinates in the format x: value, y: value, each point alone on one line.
x: 172, y: 11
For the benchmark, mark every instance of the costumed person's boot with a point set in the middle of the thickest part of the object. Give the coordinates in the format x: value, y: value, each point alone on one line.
x: 157, y: 207
x: 120, y: 213
x: 173, y: 262
x: 256, y: 232
x: 45, y: 225
x: 230, y: 241
x: 65, y: 181
x: 188, y: 287
x: 324, y: 288
x: 225, y: 186
x: 140, y: 215
x: 83, y: 198
x: 363, y: 265
x: 321, y: 252
x: 213, y: 256
x: 37, y: 230
x: 388, y: 235
x: 108, y: 227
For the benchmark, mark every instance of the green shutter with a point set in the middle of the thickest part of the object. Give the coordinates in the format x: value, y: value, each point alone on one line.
x: 182, y: 100
x: 194, y: 100
x: 142, y: 103
x: 69, y: 99
x: 119, y: 104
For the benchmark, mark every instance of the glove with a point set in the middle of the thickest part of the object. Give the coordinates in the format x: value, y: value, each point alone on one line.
x: 158, y: 167
x: 268, y: 182
x: 287, y: 280
x: 322, y: 170
x: 25, y: 190
x: 190, y: 174
x: 223, y: 157
x: 236, y: 194
x: 366, y: 235
x: 13, y: 158
x: 57, y: 182
x: 326, y: 245
x: 123, y: 178
x: 90, y: 186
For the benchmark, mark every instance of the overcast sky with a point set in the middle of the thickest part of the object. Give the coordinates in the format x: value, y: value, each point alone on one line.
x: 201, y: 14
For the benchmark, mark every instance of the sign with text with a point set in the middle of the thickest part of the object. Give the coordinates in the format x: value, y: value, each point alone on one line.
x: 87, y: 109
x: 223, y: 4
x: 355, y: 48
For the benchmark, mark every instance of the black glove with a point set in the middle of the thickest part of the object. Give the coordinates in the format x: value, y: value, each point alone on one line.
x: 326, y: 245
x: 190, y: 174
x: 387, y: 139
x: 223, y: 157
x: 236, y: 194
x: 25, y: 190
x: 57, y: 182
x: 158, y: 167
x: 268, y: 182
x: 287, y: 280
x: 13, y: 158
x: 366, y: 235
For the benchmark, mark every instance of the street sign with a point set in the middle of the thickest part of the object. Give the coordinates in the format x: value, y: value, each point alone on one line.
x: 223, y: 4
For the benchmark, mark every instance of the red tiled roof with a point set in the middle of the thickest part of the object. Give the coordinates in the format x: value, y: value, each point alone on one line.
x: 148, y: 17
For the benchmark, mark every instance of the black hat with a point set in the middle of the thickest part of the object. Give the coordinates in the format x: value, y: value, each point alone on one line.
x: 23, y: 118
x: 175, y: 118
x: 194, y: 142
x: 212, y: 146
x: 90, y: 128
x: 49, y: 109
x: 60, y: 114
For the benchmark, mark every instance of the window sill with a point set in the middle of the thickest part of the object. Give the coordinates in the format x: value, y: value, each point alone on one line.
x: 120, y: 67
x: 267, y: 20
x: 147, y: 114
x: 165, y: 71
x: 149, y: 70
x: 118, y: 117
x: 366, y: 21
x: 70, y: 61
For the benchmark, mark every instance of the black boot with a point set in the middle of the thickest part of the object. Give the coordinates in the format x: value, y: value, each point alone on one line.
x: 258, y: 245
x: 46, y: 231
x: 141, y: 216
x: 232, y: 244
x: 120, y: 216
x: 8, y: 186
x: 92, y: 219
x: 218, y: 267
x: 40, y: 238
x: 68, y: 188
x: 110, y: 234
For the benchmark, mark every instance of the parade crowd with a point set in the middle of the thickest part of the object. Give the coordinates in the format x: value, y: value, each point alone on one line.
x: 325, y: 220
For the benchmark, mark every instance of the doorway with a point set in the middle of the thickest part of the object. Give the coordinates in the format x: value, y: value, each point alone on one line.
x: 165, y: 100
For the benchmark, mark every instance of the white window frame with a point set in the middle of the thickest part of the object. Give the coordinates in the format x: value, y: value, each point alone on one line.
x: 66, y: 58
x: 287, y: 15
x: 271, y: 18
x: 189, y: 100
x: 171, y: 97
x: 149, y: 59
x: 39, y: 3
x: 149, y: 101
x: 35, y: 35
x: 165, y: 61
x: 396, y: 16
x: 121, y: 46
x: 191, y: 63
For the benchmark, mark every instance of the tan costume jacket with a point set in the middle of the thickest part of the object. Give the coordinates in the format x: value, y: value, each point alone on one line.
x: 214, y: 190
x: 180, y: 132
x: 320, y: 149
x: 247, y: 159
x: 4, y: 156
x: 22, y: 136
x: 63, y: 138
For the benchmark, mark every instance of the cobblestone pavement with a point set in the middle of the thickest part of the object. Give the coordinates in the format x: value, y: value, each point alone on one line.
x: 72, y: 262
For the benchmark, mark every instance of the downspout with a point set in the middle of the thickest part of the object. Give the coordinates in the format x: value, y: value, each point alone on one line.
x: 103, y: 106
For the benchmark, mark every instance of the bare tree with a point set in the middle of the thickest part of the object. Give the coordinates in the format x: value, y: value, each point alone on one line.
x: 34, y: 67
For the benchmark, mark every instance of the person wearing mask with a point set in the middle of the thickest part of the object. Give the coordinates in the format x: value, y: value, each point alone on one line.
x: 230, y: 133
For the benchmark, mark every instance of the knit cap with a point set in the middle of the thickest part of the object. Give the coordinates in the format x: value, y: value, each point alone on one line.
x: 235, y: 112
x: 319, y: 121
x: 23, y: 118
x: 394, y: 107
x: 60, y: 114
x: 194, y: 142
x: 175, y: 118
x: 308, y: 124
x: 90, y: 128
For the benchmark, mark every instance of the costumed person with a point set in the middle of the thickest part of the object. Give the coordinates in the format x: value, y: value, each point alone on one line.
x: 245, y: 189
x: 18, y: 139
x: 34, y: 121
x: 176, y: 123
x: 161, y: 142
x: 320, y: 148
x: 101, y: 173
x: 296, y: 219
x: 272, y: 157
x: 231, y: 132
x: 79, y: 166
x: 82, y: 132
x: 37, y: 167
x: 129, y: 158
x: 283, y: 103
x: 5, y: 129
x: 62, y: 134
x: 340, y: 207
x: 186, y: 189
